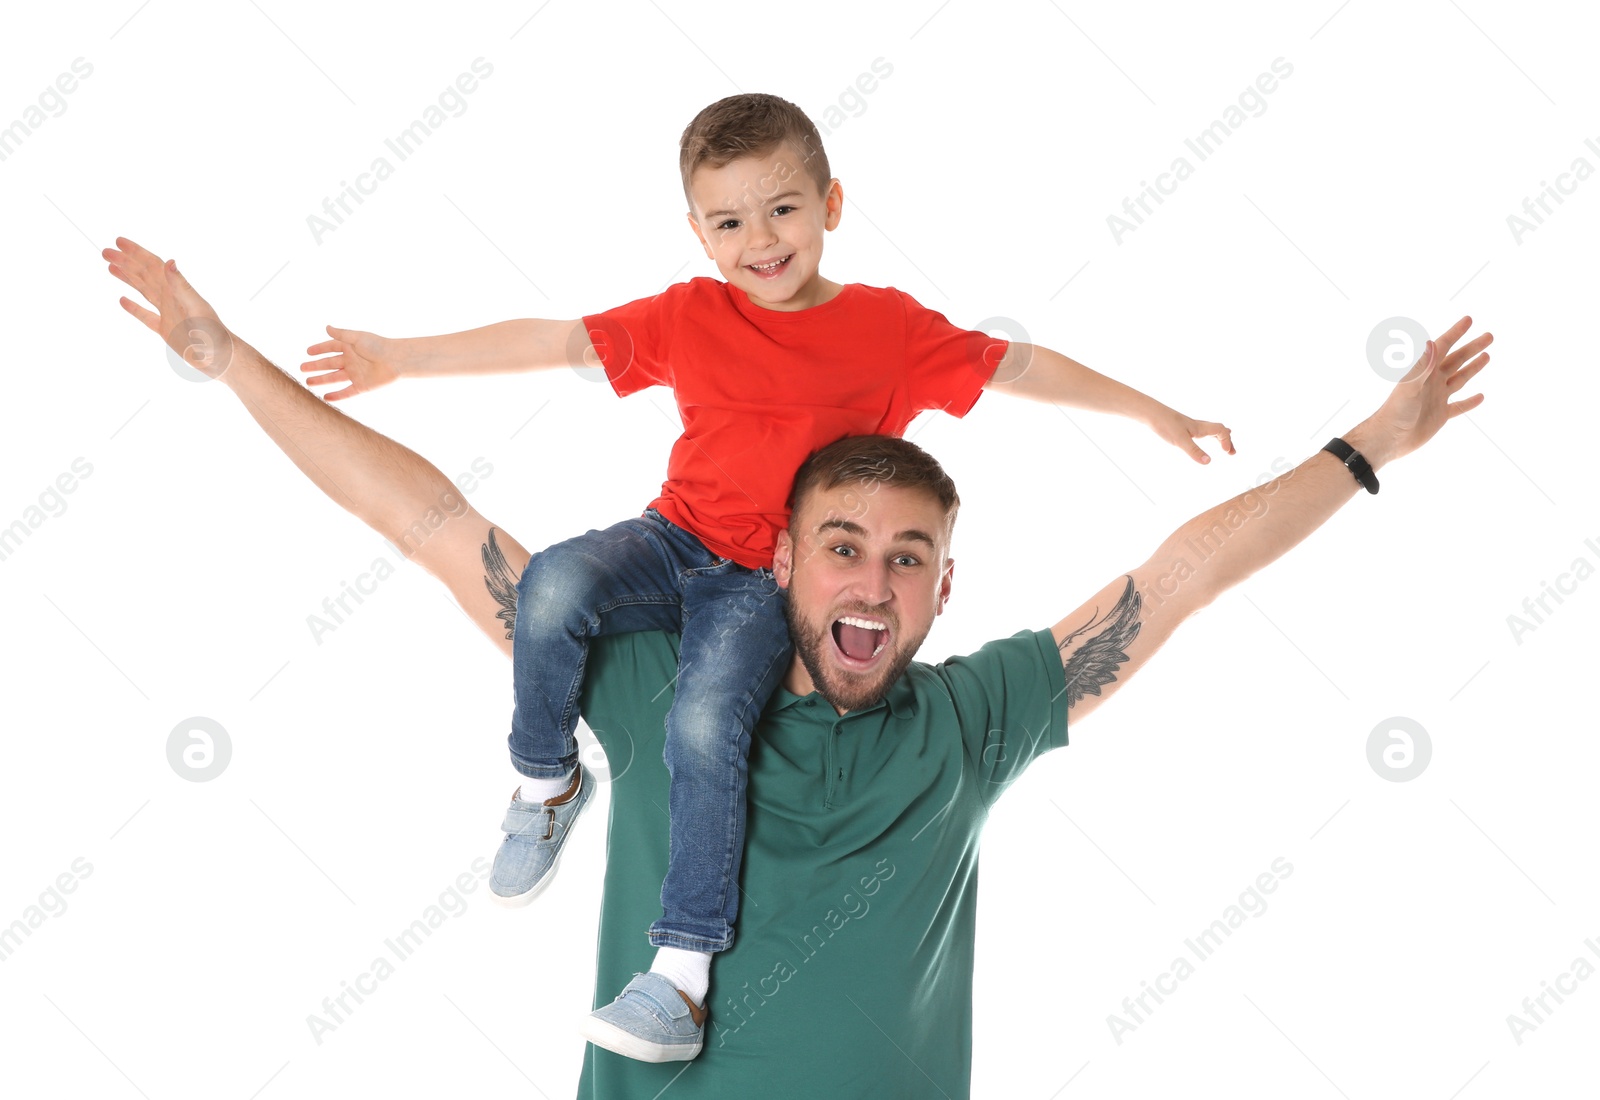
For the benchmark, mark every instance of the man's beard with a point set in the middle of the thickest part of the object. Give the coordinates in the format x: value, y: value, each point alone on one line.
x: 842, y: 689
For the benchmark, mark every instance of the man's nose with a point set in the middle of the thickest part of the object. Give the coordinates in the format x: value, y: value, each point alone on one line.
x: 870, y: 584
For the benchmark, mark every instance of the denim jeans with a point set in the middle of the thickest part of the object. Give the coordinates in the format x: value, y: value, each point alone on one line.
x: 649, y: 574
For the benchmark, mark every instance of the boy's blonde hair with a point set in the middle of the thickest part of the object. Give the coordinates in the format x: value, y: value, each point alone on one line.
x: 746, y: 125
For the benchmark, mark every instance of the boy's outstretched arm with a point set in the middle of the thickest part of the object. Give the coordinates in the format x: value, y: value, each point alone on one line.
x: 366, y: 360
x: 1029, y: 370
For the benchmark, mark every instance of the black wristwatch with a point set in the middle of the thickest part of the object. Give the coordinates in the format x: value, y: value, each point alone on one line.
x: 1354, y: 462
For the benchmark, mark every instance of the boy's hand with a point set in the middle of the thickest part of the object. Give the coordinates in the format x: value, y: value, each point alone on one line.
x: 363, y: 359
x: 1181, y: 432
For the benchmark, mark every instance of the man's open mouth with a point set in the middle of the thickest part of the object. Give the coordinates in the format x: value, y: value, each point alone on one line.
x: 858, y: 639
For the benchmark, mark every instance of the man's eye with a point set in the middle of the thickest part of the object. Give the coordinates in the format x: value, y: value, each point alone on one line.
x: 844, y: 551
x: 908, y: 560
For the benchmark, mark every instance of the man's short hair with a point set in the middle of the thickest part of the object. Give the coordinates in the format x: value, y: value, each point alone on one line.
x: 876, y: 460
x: 749, y: 125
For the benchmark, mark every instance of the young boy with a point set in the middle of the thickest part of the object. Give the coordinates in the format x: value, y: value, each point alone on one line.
x: 768, y: 365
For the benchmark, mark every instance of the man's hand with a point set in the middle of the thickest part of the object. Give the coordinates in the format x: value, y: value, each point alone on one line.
x: 182, y: 318
x: 1115, y: 632
x: 1420, y: 402
x: 1182, y: 431
x: 363, y: 359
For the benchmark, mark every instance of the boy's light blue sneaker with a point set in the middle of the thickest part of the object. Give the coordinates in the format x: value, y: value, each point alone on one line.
x: 535, y: 834
x: 651, y: 1021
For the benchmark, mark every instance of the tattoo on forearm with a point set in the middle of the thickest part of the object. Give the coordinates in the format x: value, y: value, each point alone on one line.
x: 1095, y: 664
x: 501, y: 584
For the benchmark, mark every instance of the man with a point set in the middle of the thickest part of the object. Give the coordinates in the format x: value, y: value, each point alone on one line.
x: 869, y: 778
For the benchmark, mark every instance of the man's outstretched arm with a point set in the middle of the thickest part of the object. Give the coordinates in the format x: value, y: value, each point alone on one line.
x: 1113, y: 634
x: 391, y: 488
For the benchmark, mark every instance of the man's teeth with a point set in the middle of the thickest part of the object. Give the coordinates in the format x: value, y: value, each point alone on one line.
x: 864, y: 624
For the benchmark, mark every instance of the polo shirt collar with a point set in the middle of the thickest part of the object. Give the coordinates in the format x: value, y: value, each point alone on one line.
x: 901, y: 699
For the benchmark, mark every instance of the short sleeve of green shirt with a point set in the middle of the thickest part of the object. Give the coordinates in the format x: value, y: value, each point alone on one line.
x: 1011, y: 698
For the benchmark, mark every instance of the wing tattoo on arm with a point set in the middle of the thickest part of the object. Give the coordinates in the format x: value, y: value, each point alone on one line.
x: 501, y: 584
x: 1095, y: 664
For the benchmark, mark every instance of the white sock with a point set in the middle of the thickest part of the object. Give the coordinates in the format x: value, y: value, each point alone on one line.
x: 537, y: 790
x: 689, y: 971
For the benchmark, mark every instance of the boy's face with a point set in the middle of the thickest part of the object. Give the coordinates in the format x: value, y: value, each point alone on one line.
x: 761, y: 220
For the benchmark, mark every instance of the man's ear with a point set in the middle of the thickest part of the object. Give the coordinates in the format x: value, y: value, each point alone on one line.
x: 783, y: 559
x: 944, y: 584
x: 834, y: 201
x: 699, y: 233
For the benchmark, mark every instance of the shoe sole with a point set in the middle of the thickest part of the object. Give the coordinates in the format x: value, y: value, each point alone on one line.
x: 517, y: 901
x: 611, y: 1037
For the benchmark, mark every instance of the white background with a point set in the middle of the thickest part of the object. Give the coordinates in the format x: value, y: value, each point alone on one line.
x: 369, y: 770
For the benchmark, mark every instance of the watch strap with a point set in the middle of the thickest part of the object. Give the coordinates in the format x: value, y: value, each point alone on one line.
x: 1353, y: 461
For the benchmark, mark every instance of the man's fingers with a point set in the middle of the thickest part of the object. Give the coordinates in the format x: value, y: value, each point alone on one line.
x: 1466, y: 404
x: 151, y: 321
x: 124, y: 276
x: 1465, y: 373
x: 1468, y: 350
x: 325, y: 347
x: 326, y: 379
x: 1452, y: 334
x: 133, y: 247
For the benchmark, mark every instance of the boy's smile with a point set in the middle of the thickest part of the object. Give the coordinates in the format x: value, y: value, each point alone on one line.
x: 761, y: 220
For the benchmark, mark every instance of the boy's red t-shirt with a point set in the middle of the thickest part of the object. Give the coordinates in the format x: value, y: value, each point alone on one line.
x: 760, y: 390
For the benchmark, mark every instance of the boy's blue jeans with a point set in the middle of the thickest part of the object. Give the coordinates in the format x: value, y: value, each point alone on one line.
x: 650, y: 574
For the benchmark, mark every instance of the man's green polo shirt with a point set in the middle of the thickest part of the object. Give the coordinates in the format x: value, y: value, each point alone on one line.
x: 851, y: 970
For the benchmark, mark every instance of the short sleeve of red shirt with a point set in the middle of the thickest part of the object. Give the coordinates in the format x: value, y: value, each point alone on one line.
x: 946, y: 367
x: 633, y: 340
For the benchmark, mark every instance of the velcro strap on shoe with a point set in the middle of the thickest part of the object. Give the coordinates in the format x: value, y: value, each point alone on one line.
x: 660, y: 992
x: 529, y: 819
